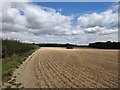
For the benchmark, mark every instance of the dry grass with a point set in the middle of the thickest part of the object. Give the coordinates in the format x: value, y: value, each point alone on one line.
x: 66, y: 68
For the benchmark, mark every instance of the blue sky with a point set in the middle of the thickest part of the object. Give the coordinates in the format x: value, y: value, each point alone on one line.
x: 69, y: 8
x: 77, y: 8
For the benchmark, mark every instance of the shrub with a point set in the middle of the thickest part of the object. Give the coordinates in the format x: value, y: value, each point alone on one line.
x: 12, y: 47
x: 69, y: 47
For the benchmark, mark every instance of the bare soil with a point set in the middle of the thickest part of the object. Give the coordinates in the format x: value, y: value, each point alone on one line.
x: 69, y: 68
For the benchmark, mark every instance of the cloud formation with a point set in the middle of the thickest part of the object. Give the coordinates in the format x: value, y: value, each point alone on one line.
x: 103, y: 19
x: 32, y: 23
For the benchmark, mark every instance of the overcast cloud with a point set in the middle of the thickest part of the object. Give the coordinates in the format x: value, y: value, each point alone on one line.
x: 32, y: 23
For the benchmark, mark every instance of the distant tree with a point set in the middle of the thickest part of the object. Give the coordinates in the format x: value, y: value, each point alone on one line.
x: 105, y: 45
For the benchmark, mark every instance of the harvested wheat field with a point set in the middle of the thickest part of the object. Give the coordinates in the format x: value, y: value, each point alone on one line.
x: 69, y: 68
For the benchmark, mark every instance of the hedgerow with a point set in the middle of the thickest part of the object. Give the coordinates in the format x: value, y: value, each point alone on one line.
x: 12, y: 47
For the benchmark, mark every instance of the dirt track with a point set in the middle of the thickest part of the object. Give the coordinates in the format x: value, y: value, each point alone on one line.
x: 63, y: 68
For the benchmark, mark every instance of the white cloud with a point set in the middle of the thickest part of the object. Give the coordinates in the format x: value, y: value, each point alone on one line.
x: 93, y: 30
x: 60, y: 10
x: 98, y: 19
x: 8, y: 27
x: 101, y: 30
x: 24, y: 37
x: 32, y: 23
x: 38, y: 20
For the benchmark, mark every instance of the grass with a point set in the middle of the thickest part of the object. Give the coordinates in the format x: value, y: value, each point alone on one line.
x: 0, y: 73
x: 10, y: 64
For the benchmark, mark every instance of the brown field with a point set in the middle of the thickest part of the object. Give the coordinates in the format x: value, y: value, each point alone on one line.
x: 69, y: 68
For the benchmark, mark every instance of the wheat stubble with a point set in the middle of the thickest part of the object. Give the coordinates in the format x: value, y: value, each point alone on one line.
x: 63, y: 68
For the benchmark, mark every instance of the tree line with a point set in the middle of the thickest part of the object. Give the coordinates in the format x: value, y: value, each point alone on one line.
x: 99, y: 45
x: 105, y: 45
x: 12, y: 47
x: 58, y: 45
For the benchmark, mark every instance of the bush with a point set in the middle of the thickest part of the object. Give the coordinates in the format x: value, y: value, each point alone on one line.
x: 13, y: 47
x: 69, y: 47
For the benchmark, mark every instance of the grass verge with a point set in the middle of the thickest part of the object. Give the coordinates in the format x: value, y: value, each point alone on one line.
x: 10, y: 64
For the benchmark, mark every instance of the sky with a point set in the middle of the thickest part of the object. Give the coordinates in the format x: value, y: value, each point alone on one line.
x: 60, y: 22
